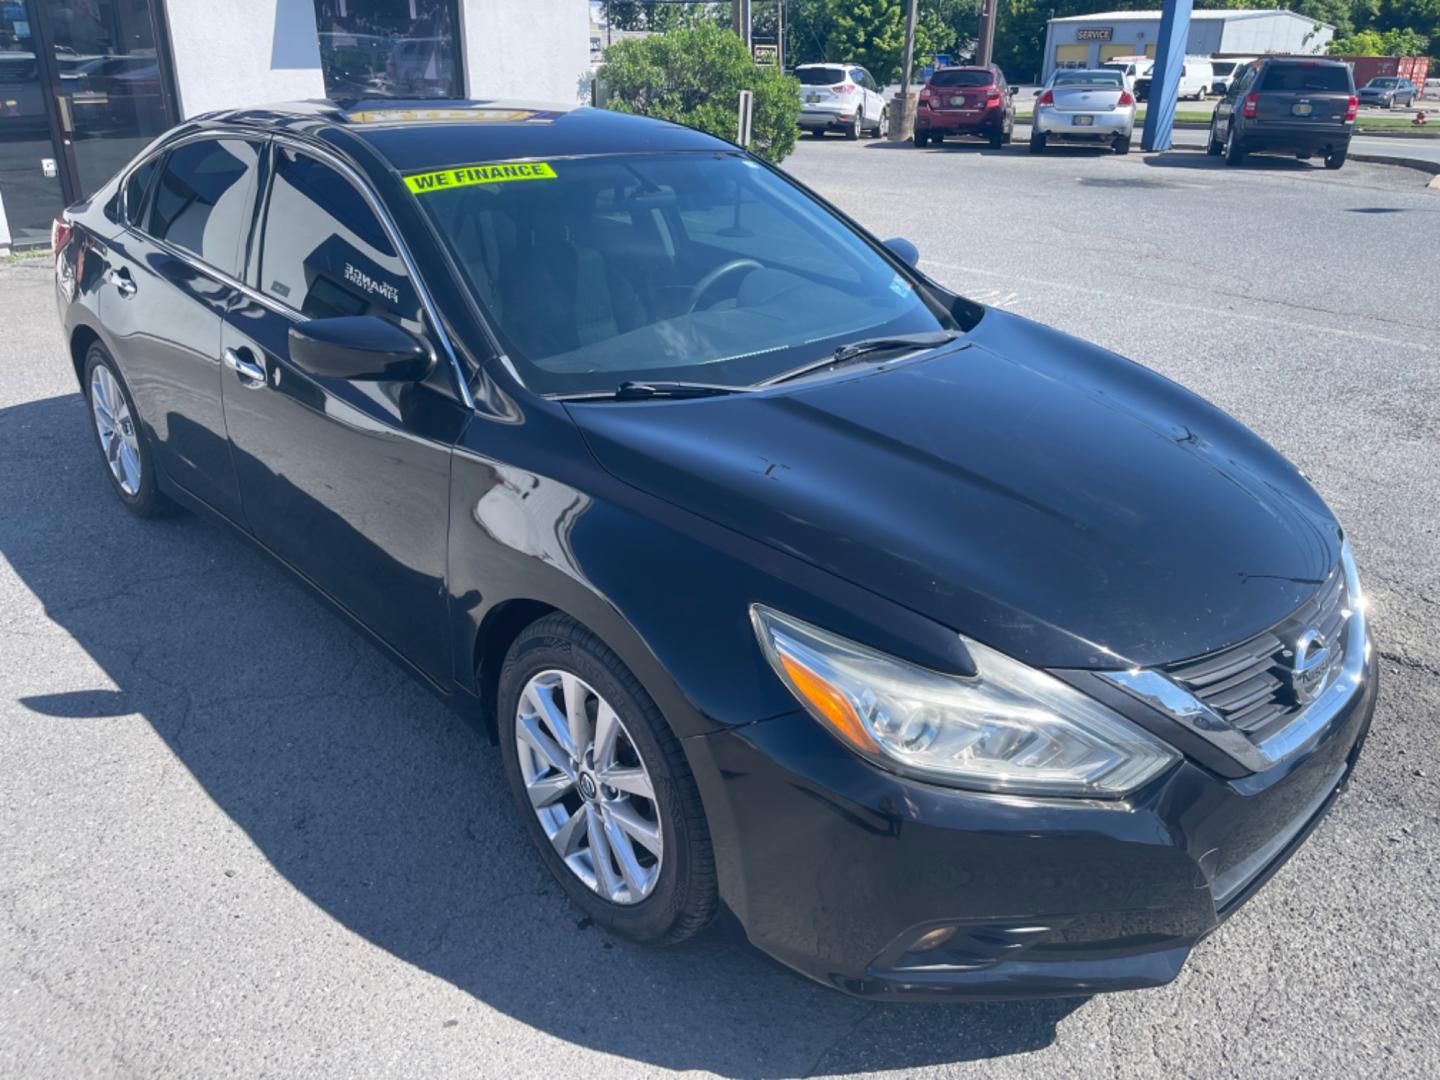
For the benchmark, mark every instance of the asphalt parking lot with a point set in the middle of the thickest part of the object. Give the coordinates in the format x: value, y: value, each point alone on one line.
x: 234, y: 841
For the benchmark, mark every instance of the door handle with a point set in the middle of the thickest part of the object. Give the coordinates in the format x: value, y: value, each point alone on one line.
x: 67, y: 119
x: 252, y: 375
x: 121, y: 279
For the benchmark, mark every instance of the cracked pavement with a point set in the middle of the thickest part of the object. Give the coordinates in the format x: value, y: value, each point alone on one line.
x: 235, y: 841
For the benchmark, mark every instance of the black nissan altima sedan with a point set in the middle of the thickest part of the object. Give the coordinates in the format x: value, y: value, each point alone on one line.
x: 956, y: 656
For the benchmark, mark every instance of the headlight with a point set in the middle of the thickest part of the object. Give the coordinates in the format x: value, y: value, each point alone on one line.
x: 1009, y: 728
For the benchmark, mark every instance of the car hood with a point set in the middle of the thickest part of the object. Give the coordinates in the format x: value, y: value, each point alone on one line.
x: 1025, y: 488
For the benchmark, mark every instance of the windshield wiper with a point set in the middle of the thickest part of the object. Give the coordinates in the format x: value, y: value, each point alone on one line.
x: 932, y: 339
x: 631, y: 390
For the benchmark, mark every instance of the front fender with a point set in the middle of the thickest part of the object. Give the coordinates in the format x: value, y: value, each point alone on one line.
x: 668, y: 591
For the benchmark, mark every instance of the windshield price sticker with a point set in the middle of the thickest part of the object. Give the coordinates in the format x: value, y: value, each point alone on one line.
x: 444, y: 179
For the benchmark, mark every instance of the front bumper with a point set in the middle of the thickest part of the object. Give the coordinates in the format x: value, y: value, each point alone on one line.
x: 1103, y: 126
x: 835, y: 867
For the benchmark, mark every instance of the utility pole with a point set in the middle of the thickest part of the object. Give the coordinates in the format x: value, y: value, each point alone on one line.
x: 910, y: 19
x: 741, y: 11
x: 902, y: 109
x: 986, y: 46
x: 780, y: 35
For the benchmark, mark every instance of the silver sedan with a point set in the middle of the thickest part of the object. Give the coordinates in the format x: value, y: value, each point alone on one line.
x: 1084, y: 105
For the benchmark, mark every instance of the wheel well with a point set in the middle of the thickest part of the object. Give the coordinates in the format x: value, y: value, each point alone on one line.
x: 498, y: 631
x: 80, y: 343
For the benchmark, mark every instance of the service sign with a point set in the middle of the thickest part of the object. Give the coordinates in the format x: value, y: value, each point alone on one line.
x: 1094, y: 33
x: 766, y: 55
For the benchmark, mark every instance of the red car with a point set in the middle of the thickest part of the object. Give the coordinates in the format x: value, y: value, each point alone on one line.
x: 966, y: 101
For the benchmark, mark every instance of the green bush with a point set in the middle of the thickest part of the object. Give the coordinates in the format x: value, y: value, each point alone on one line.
x: 693, y: 75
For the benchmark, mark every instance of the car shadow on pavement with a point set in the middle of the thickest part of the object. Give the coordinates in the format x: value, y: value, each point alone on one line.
x: 386, y: 810
x: 1189, y: 159
x: 974, y: 146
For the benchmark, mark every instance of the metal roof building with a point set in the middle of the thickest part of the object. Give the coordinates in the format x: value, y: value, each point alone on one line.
x: 1090, y: 40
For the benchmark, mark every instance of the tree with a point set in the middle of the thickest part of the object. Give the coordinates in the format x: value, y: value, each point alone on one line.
x: 693, y: 75
x: 1402, y: 42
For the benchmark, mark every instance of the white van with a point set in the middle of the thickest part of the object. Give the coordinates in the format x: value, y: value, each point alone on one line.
x: 1131, y: 67
x: 1196, y: 75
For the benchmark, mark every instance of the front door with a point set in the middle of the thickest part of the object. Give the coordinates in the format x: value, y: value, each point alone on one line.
x: 83, y: 87
x: 347, y: 481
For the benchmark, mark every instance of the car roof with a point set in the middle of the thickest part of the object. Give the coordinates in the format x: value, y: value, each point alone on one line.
x: 431, y: 133
x: 1312, y: 61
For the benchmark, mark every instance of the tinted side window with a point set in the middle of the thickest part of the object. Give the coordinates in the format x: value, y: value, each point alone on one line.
x: 325, y: 253
x: 137, y: 187
x: 203, y: 200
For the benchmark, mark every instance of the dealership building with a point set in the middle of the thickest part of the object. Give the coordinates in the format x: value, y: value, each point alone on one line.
x: 84, y: 84
x: 1090, y: 40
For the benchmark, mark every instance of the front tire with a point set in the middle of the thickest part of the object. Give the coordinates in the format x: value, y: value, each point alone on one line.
x: 883, y: 123
x: 121, y: 436
x: 920, y: 138
x: 603, y: 786
x: 853, y: 131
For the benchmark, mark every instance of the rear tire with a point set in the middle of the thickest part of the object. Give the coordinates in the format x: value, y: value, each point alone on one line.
x: 1336, y: 158
x: 853, y: 131
x: 120, y: 434
x: 997, y: 140
x: 1120, y: 144
x: 1037, y: 141
x: 920, y: 138
x: 680, y: 896
x: 1234, y: 149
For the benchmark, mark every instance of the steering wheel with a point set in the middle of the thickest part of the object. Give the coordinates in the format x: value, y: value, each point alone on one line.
x: 708, y: 282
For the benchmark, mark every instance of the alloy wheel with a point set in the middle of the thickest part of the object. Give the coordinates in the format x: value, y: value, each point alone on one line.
x: 589, y: 787
x: 118, y: 438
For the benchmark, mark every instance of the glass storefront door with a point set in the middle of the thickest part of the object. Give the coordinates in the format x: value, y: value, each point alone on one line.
x: 96, y: 88
x: 29, y: 170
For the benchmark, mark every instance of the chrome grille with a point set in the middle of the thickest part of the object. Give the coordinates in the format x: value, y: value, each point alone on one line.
x: 1248, y: 684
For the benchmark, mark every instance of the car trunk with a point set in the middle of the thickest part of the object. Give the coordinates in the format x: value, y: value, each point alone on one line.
x: 959, y: 97
x: 1085, y: 99
x: 1299, y: 94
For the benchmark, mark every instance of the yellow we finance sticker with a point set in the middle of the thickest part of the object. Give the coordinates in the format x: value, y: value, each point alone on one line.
x: 444, y: 179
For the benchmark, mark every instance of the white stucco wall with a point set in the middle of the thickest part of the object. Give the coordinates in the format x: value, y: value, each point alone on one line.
x: 532, y: 50
x: 231, y: 53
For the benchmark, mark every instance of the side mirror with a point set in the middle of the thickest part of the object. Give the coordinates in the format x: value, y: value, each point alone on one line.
x: 903, y: 250
x: 362, y: 347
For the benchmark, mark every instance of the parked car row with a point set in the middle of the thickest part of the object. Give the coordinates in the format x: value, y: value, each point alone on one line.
x: 1305, y: 107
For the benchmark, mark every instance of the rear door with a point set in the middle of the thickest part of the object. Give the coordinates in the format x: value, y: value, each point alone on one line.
x: 1303, y: 94
x: 347, y: 481
x: 171, y: 273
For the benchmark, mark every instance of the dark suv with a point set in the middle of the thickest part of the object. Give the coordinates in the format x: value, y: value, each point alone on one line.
x: 1300, y: 107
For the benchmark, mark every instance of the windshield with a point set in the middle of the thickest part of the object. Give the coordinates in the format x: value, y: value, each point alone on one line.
x: 962, y: 77
x: 820, y: 76
x: 1384, y: 84
x: 1223, y: 67
x: 687, y: 266
x: 1089, y: 78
